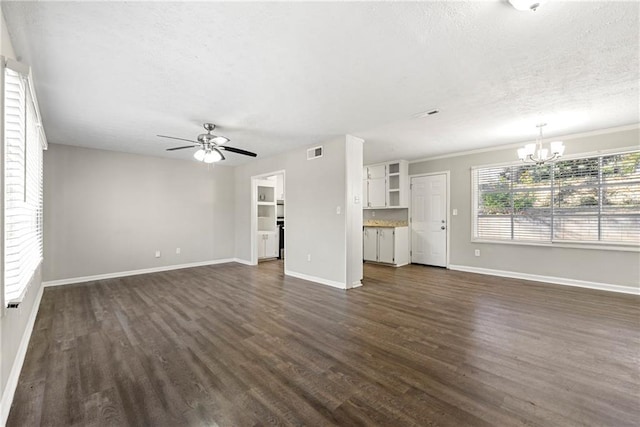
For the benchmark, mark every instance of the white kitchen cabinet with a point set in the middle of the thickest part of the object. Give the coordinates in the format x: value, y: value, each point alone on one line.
x: 376, y: 192
x: 389, y: 245
x: 376, y: 171
x: 370, y: 244
x: 374, y: 186
x: 386, y: 245
x: 386, y: 185
x: 267, y: 244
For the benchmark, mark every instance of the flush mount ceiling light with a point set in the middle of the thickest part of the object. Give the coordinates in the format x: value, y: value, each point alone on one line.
x: 534, y: 153
x: 527, y: 4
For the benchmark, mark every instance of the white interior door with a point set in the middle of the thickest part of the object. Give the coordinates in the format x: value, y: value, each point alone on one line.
x: 429, y: 220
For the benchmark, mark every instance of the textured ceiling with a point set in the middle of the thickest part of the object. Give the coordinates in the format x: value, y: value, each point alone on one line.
x: 274, y: 76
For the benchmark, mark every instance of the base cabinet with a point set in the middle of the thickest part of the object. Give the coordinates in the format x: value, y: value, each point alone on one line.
x: 267, y: 244
x: 389, y: 245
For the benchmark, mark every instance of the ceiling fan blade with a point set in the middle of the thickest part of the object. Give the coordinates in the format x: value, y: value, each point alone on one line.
x: 219, y: 152
x: 179, y: 139
x: 181, y: 148
x: 238, y: 150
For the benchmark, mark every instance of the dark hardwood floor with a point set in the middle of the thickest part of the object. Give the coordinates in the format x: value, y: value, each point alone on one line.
x: 233, y: 345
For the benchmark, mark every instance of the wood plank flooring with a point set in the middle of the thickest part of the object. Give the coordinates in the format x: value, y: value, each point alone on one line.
x: 233, y: 345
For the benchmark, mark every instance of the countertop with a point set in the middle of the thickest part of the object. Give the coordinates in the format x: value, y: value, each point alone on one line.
x: 384, y: 223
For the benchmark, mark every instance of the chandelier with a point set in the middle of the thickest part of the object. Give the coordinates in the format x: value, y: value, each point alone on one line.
x: 534, y: 153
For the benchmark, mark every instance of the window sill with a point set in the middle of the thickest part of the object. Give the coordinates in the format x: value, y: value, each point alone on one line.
x: 596, y: 246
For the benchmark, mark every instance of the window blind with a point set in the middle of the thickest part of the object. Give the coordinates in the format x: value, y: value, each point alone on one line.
x: 586, y: 200
x: 24, y: 141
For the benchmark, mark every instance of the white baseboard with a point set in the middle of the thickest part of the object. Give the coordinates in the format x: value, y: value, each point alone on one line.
x: 242, y: 261
x: 355, y: 285
x: 548, y: 279
x: 83, y: 279
x: 14, y: 374
x: 320, y: 280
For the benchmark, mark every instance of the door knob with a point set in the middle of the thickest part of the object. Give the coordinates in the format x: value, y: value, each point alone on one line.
x: 443, y: 227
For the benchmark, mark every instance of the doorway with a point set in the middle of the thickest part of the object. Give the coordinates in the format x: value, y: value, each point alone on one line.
x: 429, y: 219
x: 268, y: 217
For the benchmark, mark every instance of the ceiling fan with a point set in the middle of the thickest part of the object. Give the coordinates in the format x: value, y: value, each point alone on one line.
x: 210, y: 146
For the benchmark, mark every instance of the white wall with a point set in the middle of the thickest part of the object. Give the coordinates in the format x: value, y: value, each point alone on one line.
x: 314, y: 188
x: 15, y: 323
x: 108, y: 212
x: 591, y: 265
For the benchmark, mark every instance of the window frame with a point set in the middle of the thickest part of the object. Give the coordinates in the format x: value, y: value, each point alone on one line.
x: 30, y: 96
x: 598, y: 245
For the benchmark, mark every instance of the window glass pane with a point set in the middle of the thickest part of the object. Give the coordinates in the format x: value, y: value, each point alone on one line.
x: 621, y: 168
x: 621, y: 199
x: 529, y: 227
x: 575, y: 228
x: 621, y: 229
x: 496, y: 227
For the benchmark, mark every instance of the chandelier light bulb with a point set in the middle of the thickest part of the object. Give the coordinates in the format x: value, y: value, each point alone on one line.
x: 534, y: 153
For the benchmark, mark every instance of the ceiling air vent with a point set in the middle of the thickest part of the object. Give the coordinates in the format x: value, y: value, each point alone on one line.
x: 314, y: 153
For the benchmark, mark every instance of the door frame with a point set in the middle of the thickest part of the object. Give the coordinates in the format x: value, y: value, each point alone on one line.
x: 254, y: 214
x: 447, y: 174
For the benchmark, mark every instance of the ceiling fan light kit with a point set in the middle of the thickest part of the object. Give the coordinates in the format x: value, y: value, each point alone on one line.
x: 209, y: 146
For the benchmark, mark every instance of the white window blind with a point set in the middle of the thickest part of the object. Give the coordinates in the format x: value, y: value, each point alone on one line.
x: 23, y: 201
x: 586, y: 200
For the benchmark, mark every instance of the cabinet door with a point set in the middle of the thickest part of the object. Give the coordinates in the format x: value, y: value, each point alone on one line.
x: 271, y: 245
x: 386, y: 243
x: 377, y: 193
x: 261, y: 245
x: 374, y: 172
x: 370, y: 244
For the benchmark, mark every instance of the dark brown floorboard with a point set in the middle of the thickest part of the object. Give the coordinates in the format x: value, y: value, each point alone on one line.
x: 233, y: 345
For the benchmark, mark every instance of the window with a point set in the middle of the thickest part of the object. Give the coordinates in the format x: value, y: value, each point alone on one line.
x: 585, y: 200
x: 24, y: 141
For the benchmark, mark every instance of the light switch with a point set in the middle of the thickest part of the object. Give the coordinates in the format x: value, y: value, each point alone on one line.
x: 338, y: 210
x: 455, y: 212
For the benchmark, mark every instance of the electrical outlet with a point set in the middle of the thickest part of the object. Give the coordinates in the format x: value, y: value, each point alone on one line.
x: 158, y: 253
x: 477, y: 252
x: 455, y: 212
x: 373, y: 214
x: 178, y: 251
x: 309, y: 257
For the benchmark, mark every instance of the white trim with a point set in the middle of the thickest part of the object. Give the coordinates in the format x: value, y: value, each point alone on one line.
x: 316, y: 279
x: 243, y: 261
x: 14, y: 374
x: 519, y: 144
x: 447, y: 174
x: 83, y: 279
x: 355, y: 285
x: 559, y: 244
x: 549, y: 279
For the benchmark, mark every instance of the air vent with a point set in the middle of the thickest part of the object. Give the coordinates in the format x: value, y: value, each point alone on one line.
x: 426, y: 113
x: 314, y: 153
